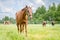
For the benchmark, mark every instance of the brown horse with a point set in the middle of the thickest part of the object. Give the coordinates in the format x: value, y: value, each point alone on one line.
x: 22, y: 19
x: 53, y: 23
x: 44, y: 23
x: 7, y: 22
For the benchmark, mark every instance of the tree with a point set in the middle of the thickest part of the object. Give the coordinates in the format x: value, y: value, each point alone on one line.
x: 52, y: 7
x: 58, y: 7
x: 12, y: 20
x: 37, y: 16
x: 6, y: 18
x: 1, y: 21
x: 57, y: 14
x: 50, y: 14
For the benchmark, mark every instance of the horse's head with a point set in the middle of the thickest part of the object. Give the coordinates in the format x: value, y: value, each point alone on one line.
x: 29, y: 11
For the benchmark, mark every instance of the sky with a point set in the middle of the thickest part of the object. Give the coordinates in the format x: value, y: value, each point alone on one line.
x: 10, y: 7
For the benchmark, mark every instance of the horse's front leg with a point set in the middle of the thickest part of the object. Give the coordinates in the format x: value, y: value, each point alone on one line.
x: 26, y: 29
x: 21, y: 27
x: 18, y: 27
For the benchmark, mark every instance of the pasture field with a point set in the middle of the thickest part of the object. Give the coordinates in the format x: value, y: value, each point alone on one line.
x: 35, y: 32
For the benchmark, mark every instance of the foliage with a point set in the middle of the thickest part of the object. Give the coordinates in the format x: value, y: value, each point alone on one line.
x: 6, y: 18
x: 41, y: 14
x: 37, y: 16
x: 53, y: 13
x: 12, y: 20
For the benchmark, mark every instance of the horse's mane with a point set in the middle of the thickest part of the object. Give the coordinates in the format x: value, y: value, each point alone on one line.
x: 24, y: 8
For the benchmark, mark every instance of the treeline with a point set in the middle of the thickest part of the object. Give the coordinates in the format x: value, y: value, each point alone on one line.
x: 42, y: 14
x: 51, y: 14
x: 6, y: 18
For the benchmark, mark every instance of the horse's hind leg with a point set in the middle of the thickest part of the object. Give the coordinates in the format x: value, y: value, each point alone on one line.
x: 18, y: 27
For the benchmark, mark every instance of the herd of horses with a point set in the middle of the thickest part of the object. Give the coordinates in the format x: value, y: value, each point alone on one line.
x: 22, y: 19
x: 7, y: 22
x: 44, y: 23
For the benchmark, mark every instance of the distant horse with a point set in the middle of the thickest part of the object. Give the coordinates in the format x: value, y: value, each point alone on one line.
x: 6, y: 22
x: 44, y: 23
x: 22, y: 19
x: 53, y: 23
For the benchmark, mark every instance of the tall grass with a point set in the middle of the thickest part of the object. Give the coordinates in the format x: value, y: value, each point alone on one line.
x: 35, y: 32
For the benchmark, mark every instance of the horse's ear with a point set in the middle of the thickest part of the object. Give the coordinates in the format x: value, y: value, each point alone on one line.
x: 26, y: 6
x: 22, y: 9
x: 30, y: 7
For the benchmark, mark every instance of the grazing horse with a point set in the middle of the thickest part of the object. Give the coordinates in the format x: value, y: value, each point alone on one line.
x: 22, y: 19
x: 6, y: 22
x: 44, y: 23
x: 53, y: 23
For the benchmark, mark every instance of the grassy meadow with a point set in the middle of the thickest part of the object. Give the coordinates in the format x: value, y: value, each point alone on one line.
x: 35, y: 32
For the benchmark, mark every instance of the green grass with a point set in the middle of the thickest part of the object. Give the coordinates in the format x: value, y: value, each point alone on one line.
x: 35, y: 32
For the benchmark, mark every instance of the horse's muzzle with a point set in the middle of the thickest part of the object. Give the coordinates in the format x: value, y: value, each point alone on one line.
x: 30, y: 17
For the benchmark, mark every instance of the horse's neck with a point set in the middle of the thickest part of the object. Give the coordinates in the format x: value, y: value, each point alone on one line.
x: 22, y: 13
